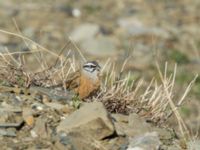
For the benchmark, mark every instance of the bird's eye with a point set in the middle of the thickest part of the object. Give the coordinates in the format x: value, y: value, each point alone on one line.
x: 92, y: 66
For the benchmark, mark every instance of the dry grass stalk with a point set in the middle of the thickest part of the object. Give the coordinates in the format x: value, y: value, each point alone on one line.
x: 31, y: 41
x: 13, y: 68
x: 174, y: 108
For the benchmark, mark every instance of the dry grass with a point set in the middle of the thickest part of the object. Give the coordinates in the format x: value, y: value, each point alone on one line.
x: 14, y: 68
x: 156, y: 102
x: 119, y: 94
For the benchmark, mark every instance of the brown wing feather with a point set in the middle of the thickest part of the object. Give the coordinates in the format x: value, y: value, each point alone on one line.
x: 73, y: 80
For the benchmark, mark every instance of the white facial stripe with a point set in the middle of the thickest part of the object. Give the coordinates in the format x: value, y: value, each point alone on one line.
x: 90, y: 65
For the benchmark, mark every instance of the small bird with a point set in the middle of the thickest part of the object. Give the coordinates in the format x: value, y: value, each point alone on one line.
x: 86, y: 81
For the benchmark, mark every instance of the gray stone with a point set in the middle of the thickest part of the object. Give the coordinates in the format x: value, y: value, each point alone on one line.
x: 91, y: 120
x: 84, y: 31
x: 41, y: 129
x: 8, y: 132
x: 38, y: 106
x: 148, y: 141
x: 100, y: 46
x: 134, y: 27
x: 55, y: 106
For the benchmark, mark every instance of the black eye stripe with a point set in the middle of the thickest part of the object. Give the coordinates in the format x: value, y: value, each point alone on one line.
x: 90, y: 66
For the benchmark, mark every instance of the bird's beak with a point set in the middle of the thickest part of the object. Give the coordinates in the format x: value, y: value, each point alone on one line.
x: 99, y: 68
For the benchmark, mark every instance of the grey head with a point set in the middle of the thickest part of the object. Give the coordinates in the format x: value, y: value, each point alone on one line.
x: 91, y: 66
x: 91, y: 69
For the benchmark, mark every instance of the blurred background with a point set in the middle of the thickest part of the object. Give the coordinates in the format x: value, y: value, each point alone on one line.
x: 142, y: 31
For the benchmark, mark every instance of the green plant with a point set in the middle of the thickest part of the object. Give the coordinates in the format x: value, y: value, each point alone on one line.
x: 178, y: 57
x: 76, y: 102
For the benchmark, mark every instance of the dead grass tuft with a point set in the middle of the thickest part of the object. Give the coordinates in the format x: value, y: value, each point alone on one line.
x: 157, y: 102
x: 119, y: 94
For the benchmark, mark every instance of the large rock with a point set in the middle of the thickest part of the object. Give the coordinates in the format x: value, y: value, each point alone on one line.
x: 84, y: 31
x: 93, y: 42
x: 90, y: 120
x: 100, y: 46
x: 132, y: 125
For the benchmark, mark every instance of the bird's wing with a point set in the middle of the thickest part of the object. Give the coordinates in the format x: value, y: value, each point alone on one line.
x: 73, y: 80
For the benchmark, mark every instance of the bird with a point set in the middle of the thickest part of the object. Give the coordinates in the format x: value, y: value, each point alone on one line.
x: 86, y: 81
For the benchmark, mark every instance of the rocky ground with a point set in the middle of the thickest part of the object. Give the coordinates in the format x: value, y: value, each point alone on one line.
x: 28, y: 122
x: 140, y: 33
